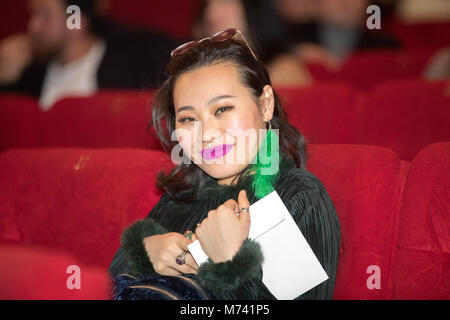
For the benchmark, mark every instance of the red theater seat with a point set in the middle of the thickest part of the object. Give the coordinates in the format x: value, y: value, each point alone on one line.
x: 406, y: 116
x: 422, y: 263
x: 368, y: 68
x: 107, y: 119
x: 433, y: 35
x: 19, y: 122
x: 326, y: 113
x: 30, y: 273
x: 177, y: 18
x: 76, y: 200
x: 365, y: 184
x: 403, y: 115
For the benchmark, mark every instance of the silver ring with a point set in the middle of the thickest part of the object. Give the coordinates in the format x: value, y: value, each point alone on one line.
x: 244, y: 210
x: 181, y: 258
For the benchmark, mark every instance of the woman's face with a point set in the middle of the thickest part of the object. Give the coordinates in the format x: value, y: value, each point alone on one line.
x: 218, y: 123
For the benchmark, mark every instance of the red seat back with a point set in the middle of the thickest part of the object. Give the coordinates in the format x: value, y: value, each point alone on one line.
x: 406, y: 116
x: 19, y: 122
x: 433, y: 35
x: 323, y: 113
x: 422, y: 261
x: 366, y: 69
x: 30, y: 273
x: 365, y: 184
x: 76, y: 200
x: 107, y: 119
x: 175, y: 18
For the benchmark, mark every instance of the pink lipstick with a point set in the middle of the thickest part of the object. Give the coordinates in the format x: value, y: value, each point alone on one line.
x: 216, y: 152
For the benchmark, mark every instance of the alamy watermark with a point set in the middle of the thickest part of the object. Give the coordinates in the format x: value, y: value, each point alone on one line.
x: 374, y: 20
x: 374, y: 280
x: 74, y: 20
x: 74, y: 280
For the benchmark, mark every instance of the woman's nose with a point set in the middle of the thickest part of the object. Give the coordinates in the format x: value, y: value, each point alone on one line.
x: 210, y: 132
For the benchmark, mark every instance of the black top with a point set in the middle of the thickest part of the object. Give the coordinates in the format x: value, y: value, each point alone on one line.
x: 241, y: 278
x: 133, y: 59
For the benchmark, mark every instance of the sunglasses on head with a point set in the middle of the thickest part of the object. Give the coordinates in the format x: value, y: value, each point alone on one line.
x: 217, y: 37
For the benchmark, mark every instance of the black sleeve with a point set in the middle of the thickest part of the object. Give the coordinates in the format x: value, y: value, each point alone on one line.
x: 316, y: 217
x: 30, y: 82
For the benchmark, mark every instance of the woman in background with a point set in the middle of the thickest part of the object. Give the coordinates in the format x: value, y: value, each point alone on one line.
x: 260, y: 21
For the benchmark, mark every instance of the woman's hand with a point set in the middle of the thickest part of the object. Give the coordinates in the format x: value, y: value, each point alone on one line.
x: 222, y: 233
x: 163, y: 250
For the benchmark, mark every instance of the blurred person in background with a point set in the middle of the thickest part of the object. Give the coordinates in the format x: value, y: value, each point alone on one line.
x: 327, y: 31
x: 260, y: 20
x: 416, y: 11
x: 51, y: 62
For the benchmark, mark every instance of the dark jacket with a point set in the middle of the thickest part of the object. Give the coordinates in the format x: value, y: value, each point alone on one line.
x: 241, y: 278
x: 134, y: 59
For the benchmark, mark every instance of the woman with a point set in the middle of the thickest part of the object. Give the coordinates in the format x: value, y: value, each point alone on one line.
x: 259, y: 19
x: 217, y: 90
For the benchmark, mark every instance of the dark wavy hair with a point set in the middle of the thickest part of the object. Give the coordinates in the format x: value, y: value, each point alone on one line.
x: 184, y: 181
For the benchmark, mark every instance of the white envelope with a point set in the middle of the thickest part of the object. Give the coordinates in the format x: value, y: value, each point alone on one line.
x: 290, y: 267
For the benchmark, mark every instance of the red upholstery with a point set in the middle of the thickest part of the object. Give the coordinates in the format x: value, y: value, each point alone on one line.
x: 42, y: 274
x: 423, y: 256
x: 323, y: 113
x: 113, y: 119
x: 433, y: 35
x: 365, y: 184
x: 107, y: 119
x: 76, y: 200
x: 406, y: 116
x: 14, y: 18
x: 367, y: 69
x: 19, y: 122
x: 176, y: 19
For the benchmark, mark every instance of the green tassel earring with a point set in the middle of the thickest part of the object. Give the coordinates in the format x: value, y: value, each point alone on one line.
x: 266, y: 169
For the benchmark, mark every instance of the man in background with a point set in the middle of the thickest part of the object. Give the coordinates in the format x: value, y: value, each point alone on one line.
x: 51, y: 62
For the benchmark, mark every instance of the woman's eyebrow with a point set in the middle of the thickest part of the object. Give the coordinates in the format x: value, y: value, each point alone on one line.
x: 215, y: 99
x: 185, y: 108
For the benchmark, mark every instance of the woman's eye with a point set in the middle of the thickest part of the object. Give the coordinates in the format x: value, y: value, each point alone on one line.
x: 186, y: 119
x: 223, y: 109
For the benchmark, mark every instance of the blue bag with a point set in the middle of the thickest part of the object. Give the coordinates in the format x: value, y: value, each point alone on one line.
x: 158, y: 287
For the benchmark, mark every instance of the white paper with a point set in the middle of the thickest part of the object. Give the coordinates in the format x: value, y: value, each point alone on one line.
x: 197, y: 252
x: 290, y: 267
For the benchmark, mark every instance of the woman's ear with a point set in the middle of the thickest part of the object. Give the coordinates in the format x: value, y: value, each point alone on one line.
x: 267, y: 103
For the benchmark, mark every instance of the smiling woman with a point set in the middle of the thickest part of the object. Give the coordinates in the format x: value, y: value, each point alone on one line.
x: 217, y: 92
x: 222, y: 117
